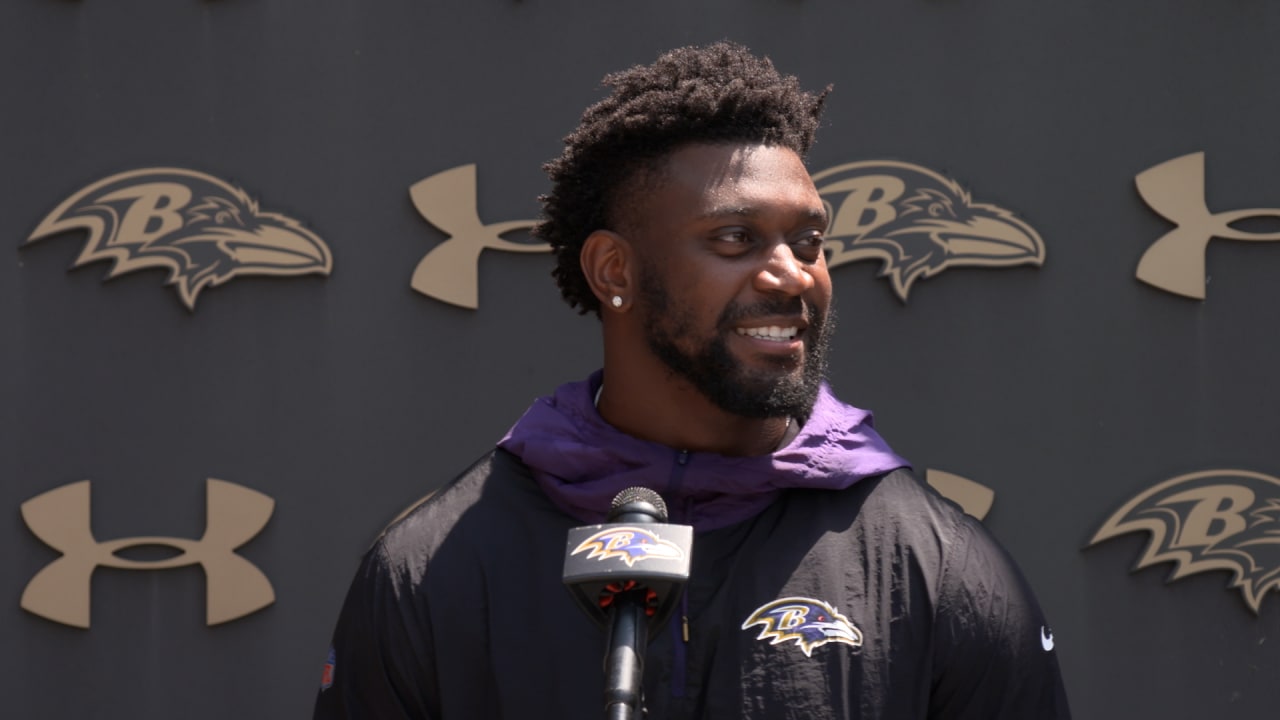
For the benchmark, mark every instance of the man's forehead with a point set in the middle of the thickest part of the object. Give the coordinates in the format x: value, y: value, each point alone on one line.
x: 741, y: 179
x: 716, y: 179
x: 701, y: 162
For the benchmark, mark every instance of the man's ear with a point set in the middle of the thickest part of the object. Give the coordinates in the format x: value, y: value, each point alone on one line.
x: 608, y: 263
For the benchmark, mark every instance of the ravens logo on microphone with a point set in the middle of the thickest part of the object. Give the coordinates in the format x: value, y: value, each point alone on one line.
x: 202, y: 230
x: 628, y: 544
x: 917, y: 223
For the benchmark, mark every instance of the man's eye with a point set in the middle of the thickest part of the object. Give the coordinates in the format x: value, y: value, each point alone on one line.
x: 809, y: 247
x: 734, y: 236
x: 812, y: 240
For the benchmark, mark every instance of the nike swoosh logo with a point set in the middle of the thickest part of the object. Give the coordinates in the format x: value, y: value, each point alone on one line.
x: 1046, y: 638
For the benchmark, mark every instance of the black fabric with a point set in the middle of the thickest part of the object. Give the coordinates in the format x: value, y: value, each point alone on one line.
x: 458, y: 612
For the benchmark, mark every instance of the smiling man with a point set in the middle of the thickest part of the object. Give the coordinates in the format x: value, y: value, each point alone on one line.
x: 718, y: 336
x: 826, y: 581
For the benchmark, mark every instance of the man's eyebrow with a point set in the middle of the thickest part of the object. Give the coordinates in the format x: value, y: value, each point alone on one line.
x: 749, y: 211
x: 819, y: 214
x: 726, y: 211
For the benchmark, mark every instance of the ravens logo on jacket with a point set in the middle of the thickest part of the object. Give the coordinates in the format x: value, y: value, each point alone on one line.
x: 810, y: 623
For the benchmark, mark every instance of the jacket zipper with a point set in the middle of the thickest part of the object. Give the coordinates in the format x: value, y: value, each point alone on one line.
x: 680, y: 635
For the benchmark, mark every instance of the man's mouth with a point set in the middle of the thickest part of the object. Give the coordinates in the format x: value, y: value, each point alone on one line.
x: 774, y: 333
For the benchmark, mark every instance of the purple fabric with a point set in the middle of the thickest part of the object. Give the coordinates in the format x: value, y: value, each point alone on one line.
x: 582, y: 462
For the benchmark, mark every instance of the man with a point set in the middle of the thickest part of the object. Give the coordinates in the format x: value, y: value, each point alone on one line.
x: 826, y: 581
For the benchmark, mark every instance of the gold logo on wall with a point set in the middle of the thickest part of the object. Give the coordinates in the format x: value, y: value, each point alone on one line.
x: 1175, y: 190
x: 60, y: 517
x: 1211, y: 520
x: 203, y: 230
x: 974, y: 498
x: 917, y: 223
x: 451, y: 272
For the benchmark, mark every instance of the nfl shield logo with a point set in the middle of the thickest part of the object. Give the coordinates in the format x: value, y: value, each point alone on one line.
x: 326, y: 676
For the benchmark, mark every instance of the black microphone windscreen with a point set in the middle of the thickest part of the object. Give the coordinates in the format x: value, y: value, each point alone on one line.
x: 634, y: 496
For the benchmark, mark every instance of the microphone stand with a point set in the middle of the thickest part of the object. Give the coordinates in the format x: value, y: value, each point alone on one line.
x: 627, y: 574
x: 624, y: 660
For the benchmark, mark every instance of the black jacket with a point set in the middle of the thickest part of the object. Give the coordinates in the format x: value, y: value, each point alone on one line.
x: 458, y: 612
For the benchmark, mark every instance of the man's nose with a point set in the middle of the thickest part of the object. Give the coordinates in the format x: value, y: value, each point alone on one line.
x: 783, y: 272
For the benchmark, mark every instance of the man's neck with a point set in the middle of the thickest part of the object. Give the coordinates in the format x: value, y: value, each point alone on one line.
x: 675, y: 414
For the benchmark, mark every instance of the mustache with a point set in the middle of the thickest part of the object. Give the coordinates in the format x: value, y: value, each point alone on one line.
x: 784, y: 307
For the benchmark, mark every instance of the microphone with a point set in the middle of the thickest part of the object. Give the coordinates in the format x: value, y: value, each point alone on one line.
x: 627, y: 574
x: 637, y: 505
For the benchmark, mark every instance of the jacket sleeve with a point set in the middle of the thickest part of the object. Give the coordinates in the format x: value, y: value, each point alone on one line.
x: 994, y: 656
x: 381, y: 662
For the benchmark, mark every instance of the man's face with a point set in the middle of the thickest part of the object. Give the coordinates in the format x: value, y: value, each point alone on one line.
x: 733, y: 283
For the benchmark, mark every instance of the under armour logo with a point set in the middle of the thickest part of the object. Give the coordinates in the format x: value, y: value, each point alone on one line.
x: 974, y: 498
x: 1175, y: 190
x: 451, y: 272
x: 235, y: 586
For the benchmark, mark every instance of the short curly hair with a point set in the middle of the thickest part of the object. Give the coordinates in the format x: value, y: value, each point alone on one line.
x: 720, y: 93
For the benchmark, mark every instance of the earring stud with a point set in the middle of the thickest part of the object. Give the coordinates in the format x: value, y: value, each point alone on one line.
x: 617, y: 301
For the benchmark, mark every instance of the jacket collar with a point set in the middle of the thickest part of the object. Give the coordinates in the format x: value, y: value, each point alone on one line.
x: 582, y: 462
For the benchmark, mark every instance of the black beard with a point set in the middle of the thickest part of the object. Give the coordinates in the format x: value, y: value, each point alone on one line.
x: 719, y: 376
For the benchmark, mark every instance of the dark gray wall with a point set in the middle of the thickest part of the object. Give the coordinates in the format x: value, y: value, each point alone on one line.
x: 1067, y: 389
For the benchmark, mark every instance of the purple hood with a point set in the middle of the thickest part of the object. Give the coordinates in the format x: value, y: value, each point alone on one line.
x: 582, y: 462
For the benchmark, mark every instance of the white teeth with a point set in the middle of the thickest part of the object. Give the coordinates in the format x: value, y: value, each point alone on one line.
x: 773, y: 332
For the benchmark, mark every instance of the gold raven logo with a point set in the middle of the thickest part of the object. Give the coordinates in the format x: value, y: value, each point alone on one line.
x: 1211, y: 520
x: 917, y: 223
x: 202, y: 230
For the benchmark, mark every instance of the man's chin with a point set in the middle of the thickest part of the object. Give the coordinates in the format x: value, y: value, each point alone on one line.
x: 743, y: 383
x: 766, y: 395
